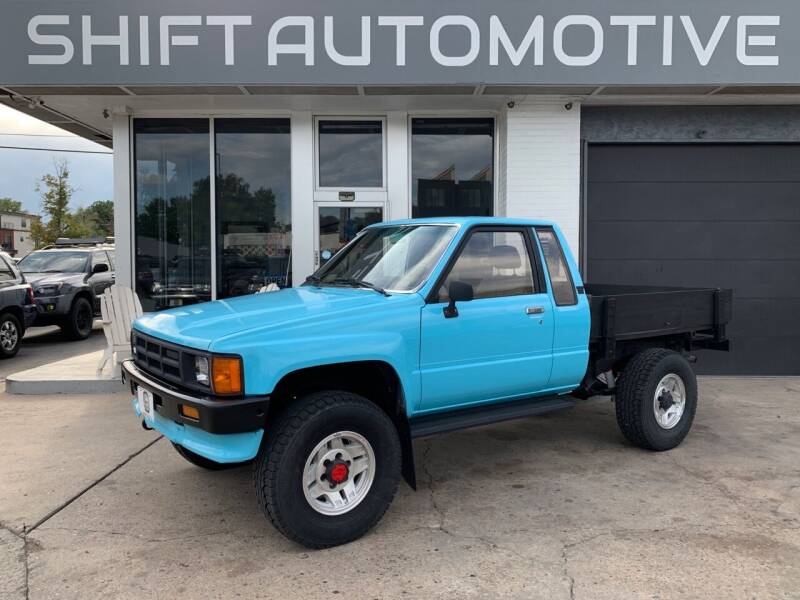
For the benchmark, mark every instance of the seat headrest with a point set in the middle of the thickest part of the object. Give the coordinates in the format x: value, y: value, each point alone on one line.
x: 505, y: 257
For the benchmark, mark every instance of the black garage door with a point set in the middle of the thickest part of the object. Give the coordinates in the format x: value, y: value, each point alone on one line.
x: 722, y: 215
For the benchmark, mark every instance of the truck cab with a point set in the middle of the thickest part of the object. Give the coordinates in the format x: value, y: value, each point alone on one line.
x: 414, y: 328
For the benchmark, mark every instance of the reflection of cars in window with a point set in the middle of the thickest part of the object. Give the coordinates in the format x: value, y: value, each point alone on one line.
x: 68, y: 279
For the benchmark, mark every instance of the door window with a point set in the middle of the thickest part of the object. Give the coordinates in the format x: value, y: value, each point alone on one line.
x: 350, y: 153
x: 557, y: 269
x: 337, y: 226
x: 100, y: 258
x: 494, y: 263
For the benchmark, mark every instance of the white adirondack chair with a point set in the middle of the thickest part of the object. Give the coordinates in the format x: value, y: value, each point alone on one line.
x: 119, y: 306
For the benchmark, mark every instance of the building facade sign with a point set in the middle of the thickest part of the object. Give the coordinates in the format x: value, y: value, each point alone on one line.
x: 418, y: 42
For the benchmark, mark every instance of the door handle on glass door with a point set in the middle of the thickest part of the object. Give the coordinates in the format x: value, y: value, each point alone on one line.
x: 534, y: 310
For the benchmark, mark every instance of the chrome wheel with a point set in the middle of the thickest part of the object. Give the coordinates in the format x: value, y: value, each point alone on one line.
x: 9, y: 335
x: 669, y: 401
x: 339, y: 473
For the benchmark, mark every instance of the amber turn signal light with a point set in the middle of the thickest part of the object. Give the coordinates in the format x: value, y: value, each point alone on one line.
x: 226, y: 374
x: 190, y: 412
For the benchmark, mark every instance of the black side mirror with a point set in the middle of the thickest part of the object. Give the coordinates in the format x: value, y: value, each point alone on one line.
x: 459, y: 291
x: 100, y: 268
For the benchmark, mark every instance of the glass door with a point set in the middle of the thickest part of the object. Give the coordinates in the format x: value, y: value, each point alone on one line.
x: 336, y: 225
x: 350, y: 190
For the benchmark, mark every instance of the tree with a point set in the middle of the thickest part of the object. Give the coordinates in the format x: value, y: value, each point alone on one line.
x: 56, y: 192
x: 10, y: 205
x: 96, y: 220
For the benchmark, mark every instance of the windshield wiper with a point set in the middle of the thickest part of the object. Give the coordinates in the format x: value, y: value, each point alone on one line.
x: 313, y: 280
x: 353, y: 282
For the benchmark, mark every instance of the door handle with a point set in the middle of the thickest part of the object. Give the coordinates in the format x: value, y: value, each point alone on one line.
x: 534, y: 310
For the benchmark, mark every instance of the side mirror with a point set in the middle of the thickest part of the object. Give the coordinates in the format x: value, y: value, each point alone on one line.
x: 100, y: 268
x: 459, y: 291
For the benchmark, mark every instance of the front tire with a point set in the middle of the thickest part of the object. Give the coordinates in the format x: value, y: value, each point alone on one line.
x: 10, y: 335
x: 78, y: 323
x: 656, y: 399
x: 328, y: 469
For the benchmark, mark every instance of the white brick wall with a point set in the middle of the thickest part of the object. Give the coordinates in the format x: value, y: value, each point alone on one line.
x: 541, y: 152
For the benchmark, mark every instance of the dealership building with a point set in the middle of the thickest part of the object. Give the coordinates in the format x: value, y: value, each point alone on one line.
x: 252, y: 140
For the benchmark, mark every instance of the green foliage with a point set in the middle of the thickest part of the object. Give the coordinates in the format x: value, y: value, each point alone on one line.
x: 10, y: 205
x: 95, y: 220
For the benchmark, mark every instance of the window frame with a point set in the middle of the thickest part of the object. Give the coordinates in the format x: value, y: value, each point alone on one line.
x: 535, y: 229
x: 433, y: 294
x: 7, y: 266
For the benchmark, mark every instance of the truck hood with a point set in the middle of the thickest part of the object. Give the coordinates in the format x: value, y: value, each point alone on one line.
x: 198, y: 325
x: 39, y: 279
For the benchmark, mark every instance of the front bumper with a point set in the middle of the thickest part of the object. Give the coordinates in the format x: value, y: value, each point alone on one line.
x: 52, y: 306
x: 228, y: 431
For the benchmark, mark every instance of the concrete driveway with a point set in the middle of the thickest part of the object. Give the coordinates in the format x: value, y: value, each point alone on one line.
x: 546, y: 507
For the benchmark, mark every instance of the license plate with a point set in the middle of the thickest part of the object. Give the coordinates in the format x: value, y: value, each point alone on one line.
x: 145, y: 399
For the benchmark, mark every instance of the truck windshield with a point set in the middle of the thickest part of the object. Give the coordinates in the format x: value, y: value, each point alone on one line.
x: 54, y: 262
x: 397, y: 258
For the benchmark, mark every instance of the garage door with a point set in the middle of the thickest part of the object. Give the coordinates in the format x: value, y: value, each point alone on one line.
x: 722, y: 215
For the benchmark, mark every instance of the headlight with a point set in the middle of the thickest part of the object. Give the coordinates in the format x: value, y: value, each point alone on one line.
x: 201, y: 370
x: 49, y: 290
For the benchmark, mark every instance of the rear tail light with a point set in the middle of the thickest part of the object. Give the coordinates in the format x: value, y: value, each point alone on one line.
x: 29, y: 295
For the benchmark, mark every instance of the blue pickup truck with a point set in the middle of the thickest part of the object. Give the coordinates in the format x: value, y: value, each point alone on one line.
x: 415, y: 328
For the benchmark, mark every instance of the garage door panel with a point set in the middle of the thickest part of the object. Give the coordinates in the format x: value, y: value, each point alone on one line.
x: 748, y: 201
x: 699, y: 240
x: 706, y: 215
x: 750, y: 279
x: 688, y: 162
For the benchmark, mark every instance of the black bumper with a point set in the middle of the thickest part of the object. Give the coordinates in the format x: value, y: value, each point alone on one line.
x: 217, y: 415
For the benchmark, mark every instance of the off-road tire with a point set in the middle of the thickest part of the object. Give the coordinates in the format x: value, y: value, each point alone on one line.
x: 636, y: 389
x: 10, y: 322
x: 278, y: 469
x: 202, y: 461
x: 73, y: 324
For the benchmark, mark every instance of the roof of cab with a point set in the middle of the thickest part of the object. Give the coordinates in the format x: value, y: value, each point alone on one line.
x: 467, y: 221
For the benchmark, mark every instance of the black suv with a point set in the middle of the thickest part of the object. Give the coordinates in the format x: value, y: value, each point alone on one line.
x: 17, y: 308
x: 68, y: 279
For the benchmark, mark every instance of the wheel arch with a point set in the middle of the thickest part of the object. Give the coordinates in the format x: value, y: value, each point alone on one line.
x: 375, y: 380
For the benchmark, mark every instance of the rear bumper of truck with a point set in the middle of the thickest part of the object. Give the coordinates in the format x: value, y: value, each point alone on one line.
x: 227, y: 430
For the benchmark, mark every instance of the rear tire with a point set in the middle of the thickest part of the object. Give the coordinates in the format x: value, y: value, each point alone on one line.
x: 656, y: 399
x: 11, y: 333
x: 302, y: 483
x: 202, y: 461
x: 78, y: 323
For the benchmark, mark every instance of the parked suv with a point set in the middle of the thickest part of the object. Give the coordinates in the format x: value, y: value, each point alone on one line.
x: 68, y: 279
x: 17, y: 307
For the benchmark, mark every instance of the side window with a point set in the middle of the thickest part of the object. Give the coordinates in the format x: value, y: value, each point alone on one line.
x: 6, y: 272
x: 111, y: 258
x: 100, y: 258
x: 494, y: 263
x: 560, y: 277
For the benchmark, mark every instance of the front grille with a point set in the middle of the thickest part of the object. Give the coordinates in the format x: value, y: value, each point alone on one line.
x: 163, y: 360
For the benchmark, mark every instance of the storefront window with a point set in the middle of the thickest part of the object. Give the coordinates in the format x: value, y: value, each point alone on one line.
x: 452, y: 167
x: 253, y: 212
x: 172, y: 202
x: 351, y: 154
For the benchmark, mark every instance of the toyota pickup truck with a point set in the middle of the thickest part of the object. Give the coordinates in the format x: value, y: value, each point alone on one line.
x: 414, y: 328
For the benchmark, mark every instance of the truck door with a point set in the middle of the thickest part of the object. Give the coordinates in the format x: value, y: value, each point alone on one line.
x: 570, y: 312
x: 499, y: 345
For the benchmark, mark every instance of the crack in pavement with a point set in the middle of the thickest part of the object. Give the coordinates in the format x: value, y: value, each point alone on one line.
x: 23, y: 535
